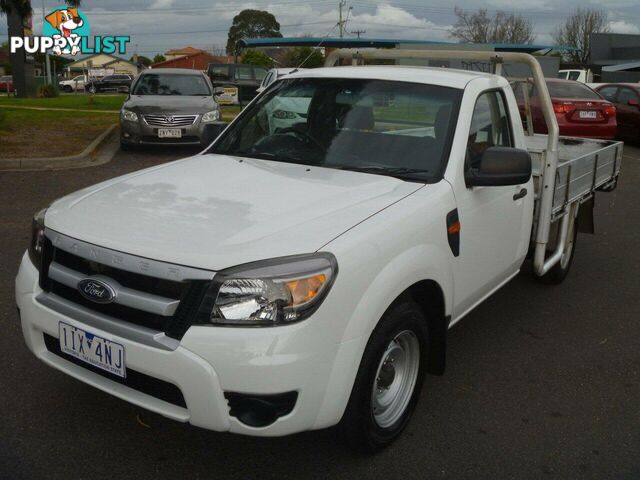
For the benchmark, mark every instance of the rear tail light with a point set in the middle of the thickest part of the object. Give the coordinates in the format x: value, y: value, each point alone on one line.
x: 610, y: 110
x: 564, y: 107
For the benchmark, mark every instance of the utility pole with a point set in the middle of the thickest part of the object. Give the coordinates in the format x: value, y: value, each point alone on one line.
x: 341, y: 23
x: 46, y: 54
x: 358, y: 32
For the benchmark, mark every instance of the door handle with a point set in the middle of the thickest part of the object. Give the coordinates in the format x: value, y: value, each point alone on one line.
x: 521, y: 194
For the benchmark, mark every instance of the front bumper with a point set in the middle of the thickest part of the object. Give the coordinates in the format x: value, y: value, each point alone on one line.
x: 140, y: 133
x: 212, y: 361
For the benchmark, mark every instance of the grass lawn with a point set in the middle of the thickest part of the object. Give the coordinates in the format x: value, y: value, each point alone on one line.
x: 36, y: 133
x: 42, y: 133
x: 83, y: 102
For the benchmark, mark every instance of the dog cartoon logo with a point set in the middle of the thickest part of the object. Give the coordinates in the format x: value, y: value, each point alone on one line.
x: 66, y: 26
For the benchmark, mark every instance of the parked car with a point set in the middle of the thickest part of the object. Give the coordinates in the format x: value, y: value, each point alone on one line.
x: 118, y: 83
x: 580, y: 111
x: 170, y: 106
x: 238, y: 81
x: 577, y: 75
x: 293, y: 279
x: 273, y: 75
x: 74, y: 84
x: 6, y: 84
x: 626, y: 98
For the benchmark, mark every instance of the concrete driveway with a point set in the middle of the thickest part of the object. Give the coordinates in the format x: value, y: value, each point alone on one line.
x: 541, y: 382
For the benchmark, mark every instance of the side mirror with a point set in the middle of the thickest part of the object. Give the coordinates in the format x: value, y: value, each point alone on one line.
x: 500, y: 166
x: 218, y: 91
x: 211, y: 132
x: 633, y: 102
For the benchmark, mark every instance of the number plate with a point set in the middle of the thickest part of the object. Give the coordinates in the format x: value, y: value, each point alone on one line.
x: 92, y: 349
x: 588, y: 114
x: 169, y: 133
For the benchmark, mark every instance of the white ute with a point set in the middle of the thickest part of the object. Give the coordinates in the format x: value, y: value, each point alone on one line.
x: 298, y: 276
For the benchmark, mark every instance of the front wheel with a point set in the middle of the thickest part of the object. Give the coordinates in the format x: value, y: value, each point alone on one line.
x: 388, y: 383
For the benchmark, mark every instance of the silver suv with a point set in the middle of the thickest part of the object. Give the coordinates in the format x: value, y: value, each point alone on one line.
x: 170, y: 106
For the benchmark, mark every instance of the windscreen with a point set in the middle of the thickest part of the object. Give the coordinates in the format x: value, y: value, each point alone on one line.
x: 383, y: 127
x: 171, y: 84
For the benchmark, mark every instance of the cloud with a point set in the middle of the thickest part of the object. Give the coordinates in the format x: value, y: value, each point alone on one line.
x: 621, y: 26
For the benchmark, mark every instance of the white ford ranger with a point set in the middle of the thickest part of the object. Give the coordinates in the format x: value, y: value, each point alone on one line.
x: 300, y: 275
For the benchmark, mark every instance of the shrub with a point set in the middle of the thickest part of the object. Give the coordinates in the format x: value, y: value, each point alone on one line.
x: 47, y: 91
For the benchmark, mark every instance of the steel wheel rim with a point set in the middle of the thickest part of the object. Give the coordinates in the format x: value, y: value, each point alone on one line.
x: 395, y: 379
x: 568, y: 248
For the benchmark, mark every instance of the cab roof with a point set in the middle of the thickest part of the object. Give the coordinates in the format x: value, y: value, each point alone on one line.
x: 446, y: 77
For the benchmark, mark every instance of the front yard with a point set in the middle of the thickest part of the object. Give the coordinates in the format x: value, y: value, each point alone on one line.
x: 30, y: 132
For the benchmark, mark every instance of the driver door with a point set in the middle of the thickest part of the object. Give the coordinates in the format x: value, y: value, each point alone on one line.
x: 495, y: 221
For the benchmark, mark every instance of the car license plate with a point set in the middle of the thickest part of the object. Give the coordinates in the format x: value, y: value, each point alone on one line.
x: 92, y: 349
x: 588, y: 114
x: 169, y: 133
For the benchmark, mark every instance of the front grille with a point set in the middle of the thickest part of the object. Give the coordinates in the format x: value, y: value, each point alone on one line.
x: 141, y: 382
x: 170, y: 120
x: 162, y: 305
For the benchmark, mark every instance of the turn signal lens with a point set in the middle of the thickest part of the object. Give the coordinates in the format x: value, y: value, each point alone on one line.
x: 305, y: 289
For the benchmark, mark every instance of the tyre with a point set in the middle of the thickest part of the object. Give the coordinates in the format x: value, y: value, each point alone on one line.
x: 389, y: 380
x: 92, y: 89
x: 560, y: 270
x: 67, y: 88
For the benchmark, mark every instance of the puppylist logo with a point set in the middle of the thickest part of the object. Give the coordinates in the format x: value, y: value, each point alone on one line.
x: 66, y: 32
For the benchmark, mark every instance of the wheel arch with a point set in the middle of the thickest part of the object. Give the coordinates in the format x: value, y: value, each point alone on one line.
x: 429, y: 295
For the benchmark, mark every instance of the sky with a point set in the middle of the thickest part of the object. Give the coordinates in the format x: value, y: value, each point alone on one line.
x: 158, y: 25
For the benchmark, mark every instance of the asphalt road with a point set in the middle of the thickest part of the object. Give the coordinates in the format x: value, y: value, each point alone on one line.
x: 542, y: 382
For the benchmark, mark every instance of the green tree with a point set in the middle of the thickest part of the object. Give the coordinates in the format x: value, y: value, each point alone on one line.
x: 251, y: 24
x: 304, y: 57
x: 142, y: 60
x: 159, y: 58
x: 256, y: 57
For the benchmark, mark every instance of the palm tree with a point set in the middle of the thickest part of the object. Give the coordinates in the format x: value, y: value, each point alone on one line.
x: 21, y: 9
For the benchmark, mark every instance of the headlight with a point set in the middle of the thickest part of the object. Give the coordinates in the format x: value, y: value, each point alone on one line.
x: 284, y: 114
x: 129, y: 116
x: 271, y: 292
x: 36, y: 246
x: 212, y: 116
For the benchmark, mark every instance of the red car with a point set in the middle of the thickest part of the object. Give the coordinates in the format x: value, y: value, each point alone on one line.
x: 6, y: 83
x: 581, y: 112
x: 626, y: 98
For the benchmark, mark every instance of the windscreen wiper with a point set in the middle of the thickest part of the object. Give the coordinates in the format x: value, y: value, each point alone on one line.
x: 399, y: 172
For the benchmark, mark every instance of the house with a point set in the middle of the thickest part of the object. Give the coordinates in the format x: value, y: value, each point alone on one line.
x: 194, y: 61
x: 102, y: 61
x: 181, y: 52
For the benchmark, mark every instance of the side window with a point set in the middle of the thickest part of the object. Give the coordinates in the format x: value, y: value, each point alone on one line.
x: 244, y: 73
x: 609, y: 93
x: 260, y: 73
x: 627, y: 94
x: 490, y: 127
x: 267, y: 80
x: 220, y: 72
